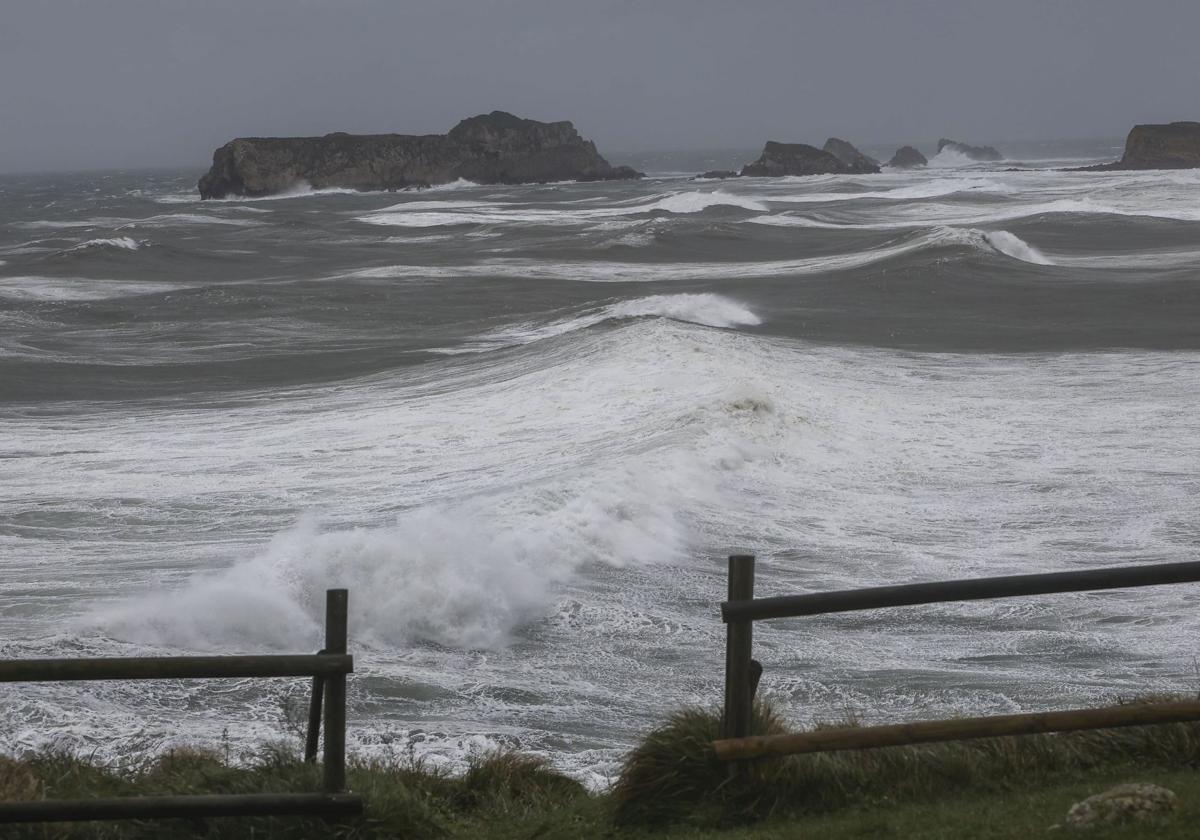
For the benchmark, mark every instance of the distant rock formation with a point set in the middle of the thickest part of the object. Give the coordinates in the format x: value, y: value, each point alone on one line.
x: 1167, y: 146
x: 855, y: 160
x: 973, y: 152
x: 718, y: 173
x: 907, y: 157
x: 495, y: 148
x: 794, y: 159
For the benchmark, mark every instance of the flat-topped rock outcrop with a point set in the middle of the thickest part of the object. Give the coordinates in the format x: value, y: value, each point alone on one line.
x: 495, y: 148
x: 855, y: 160
x: 1164, y: 146
x: 907, y: 157
x: 793, y: 159
x: 973, y: 152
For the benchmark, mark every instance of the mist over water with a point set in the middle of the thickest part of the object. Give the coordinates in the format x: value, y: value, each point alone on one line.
x: 525, y: 424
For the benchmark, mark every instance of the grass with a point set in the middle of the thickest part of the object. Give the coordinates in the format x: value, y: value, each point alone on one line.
x: 671, y: 786
x: 671, y: 777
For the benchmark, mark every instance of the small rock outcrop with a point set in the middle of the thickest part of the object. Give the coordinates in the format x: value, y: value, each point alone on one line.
x: 793, y: 159
x: 973, y: 152
x: 855, y: 160
x: 1122, y: 804
x: 495, y: 148
x: 907, y: 157
x: 1169, y: 146
x: 718, y: 174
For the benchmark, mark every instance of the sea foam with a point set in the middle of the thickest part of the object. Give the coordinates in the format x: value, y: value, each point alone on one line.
x: 949, y: 158
x: 465, y: 576
x: 435, y: 576
x: 74, y: 288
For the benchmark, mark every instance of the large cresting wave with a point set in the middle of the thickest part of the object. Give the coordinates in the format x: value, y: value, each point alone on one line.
x: 707, y: 310
x: 465, y: 576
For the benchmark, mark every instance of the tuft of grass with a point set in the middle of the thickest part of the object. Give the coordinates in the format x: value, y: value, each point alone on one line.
x: 504, y: 781
x: 403, y: 797
x: 673, y: 775
x: 65, y: 775
x: 401, y: 800
x: 186, y: 770
x: 17, y: 781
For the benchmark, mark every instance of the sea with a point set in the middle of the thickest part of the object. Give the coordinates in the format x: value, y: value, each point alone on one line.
x: 525, y: 426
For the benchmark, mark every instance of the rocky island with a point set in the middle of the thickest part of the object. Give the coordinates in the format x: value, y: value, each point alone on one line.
x: 856, y: 162
x: 1167, y: 146
x: 495, y: 148
x: 802, y: 159
x: 907, y: 157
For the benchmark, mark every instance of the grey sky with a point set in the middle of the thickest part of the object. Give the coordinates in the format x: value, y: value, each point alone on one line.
x: 122, y: 83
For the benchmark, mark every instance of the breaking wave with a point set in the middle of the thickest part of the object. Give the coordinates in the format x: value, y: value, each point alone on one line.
x: 465, y: 576
x: 695, y: 201
x: 930, y: 189
x: 706, y: 310
x: 949, y: 214
x: 434, y: 576
x: 460, y: 184
x: 1015, y: 247
x: 450, y: 213
x: 948, y: 158
x: 175, y: 219
x: 121, y: 243
x: 994, y: 241
x: 300, y: 190
x: 597, y: 271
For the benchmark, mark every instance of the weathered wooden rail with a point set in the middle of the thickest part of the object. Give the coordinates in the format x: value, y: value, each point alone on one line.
x: 741, y: 674
x: 328, y: 670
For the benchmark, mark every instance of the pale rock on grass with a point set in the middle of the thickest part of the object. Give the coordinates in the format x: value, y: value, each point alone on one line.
x: 1122, y: 804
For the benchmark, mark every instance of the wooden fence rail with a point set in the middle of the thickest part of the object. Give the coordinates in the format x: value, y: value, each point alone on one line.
x: 174, y: 667
x: 956, y: 729
x: 741, y: 675
x: 328, y: 670
x: 974, y: 589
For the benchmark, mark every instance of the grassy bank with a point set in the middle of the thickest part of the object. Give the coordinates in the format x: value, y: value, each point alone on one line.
x: 671, y: 786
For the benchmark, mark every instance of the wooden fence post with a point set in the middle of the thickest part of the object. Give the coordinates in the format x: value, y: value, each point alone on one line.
x: 336, y: 608
x: 312, y: 737
x: 739, y: 640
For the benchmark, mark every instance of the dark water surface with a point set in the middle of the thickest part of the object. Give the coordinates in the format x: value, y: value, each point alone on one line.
x: 524, y: 424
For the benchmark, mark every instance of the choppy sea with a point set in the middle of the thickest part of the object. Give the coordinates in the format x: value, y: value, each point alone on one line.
x: 524, y: 425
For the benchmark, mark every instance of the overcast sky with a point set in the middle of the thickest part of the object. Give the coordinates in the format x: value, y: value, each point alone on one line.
x: 123, y: 83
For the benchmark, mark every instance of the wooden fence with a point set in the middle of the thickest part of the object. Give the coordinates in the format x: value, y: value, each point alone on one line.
x: 328, y: 670
x: 742, y: 672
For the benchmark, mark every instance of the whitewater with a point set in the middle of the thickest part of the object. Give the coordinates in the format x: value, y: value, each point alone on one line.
x: 524, y: 425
